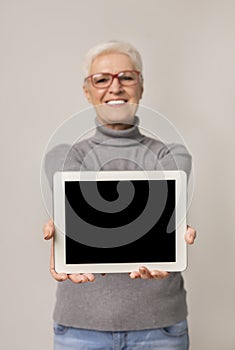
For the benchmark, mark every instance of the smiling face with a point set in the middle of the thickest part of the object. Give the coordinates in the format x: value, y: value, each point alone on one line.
x: 115, y: 105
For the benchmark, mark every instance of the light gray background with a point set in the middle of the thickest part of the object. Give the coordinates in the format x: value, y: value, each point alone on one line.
x: 189, y: 54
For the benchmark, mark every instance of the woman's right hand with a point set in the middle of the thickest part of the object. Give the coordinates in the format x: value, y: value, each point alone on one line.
x: 49, y: 231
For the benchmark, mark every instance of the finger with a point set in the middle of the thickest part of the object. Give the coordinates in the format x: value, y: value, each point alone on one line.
x: 81, y: 278
x: 157, y: 274
x: 190, y: 235
x: 51, y: 222
x: 90, y: 277
x: 134, y: 274
x: 48, y: 230
x: 57, y: 276
x: 144, y: 272
x: 78, y: 278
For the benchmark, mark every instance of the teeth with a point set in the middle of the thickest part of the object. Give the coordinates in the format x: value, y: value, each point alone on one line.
x: 116, y: 102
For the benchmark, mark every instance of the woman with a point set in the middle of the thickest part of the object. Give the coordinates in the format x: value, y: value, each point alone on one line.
x: 144, y: 309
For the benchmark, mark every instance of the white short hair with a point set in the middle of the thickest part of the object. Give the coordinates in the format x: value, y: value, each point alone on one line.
x: 112, y: 47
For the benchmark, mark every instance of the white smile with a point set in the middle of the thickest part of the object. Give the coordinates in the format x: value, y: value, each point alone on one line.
x: 116, y: 102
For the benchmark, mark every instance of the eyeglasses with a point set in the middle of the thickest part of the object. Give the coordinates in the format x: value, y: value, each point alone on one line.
x: 104, y: 80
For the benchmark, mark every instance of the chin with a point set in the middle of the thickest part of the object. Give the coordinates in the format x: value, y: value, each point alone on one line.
x: 119, y: 119
x: 122, y: 115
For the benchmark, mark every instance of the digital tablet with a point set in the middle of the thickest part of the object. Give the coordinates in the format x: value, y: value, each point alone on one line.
x: 117, y: 221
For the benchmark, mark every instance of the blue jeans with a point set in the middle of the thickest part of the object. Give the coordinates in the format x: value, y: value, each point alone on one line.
x: 174, y: 337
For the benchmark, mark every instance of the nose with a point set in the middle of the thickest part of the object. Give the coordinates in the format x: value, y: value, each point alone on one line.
x: 115, y: 87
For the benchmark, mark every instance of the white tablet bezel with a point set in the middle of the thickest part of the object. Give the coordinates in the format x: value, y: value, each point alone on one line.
x: 59, y: 179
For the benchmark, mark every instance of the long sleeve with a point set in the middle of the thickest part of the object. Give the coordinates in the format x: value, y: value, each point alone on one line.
x: 175, y: 157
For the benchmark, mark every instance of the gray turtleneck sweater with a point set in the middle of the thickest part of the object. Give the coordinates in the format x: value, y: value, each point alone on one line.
x: 116, y: 302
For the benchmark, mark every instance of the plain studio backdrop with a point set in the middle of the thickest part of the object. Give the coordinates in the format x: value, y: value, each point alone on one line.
x: 188, y: 50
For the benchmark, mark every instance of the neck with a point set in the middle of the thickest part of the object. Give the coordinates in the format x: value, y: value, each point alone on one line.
x: 119, y: 137
x: 115, y: 126
x: 118, y: 126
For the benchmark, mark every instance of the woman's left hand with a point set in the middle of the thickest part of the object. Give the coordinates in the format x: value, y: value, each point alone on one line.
x: 145, y: 273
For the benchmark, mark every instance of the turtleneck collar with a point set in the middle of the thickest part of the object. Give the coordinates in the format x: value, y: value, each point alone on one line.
x: 104, y: 133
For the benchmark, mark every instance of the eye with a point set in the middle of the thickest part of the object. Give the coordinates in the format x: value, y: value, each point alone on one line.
x: 126, y: 77
x: 101, y: 79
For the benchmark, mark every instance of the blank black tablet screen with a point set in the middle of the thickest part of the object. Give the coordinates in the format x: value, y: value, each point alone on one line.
x: 157, y: 243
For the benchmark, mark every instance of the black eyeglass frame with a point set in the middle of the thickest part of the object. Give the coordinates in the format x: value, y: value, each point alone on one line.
x: 113, y: 77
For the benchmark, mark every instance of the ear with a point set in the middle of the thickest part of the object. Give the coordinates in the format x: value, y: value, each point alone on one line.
x: 87, y: 92
x: 141, y: 91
